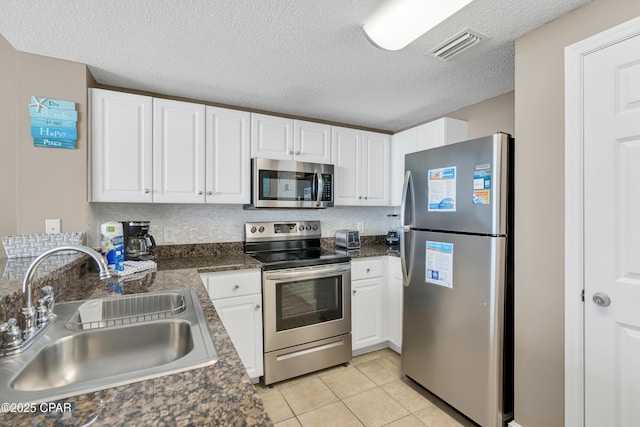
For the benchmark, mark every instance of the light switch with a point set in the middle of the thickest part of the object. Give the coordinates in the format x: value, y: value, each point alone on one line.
x: 52, y: 226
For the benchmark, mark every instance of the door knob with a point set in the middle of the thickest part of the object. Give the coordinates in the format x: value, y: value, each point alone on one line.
x: 601, y: 299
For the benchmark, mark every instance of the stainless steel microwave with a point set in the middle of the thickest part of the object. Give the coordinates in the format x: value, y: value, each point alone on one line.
x: 290, y: 184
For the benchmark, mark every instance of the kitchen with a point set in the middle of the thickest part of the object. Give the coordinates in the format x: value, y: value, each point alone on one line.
x: 538, y: 99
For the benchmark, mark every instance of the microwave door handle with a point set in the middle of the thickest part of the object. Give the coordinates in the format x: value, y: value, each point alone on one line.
x: 319, y: 186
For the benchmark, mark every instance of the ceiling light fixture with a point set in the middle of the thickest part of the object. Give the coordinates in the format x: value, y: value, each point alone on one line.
x: 399, y: 22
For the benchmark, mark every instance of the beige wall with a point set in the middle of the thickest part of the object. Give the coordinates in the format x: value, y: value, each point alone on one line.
x: 8, y: 214
x: 539, y: 251
x: 488, y: 117
x: 42, y: 183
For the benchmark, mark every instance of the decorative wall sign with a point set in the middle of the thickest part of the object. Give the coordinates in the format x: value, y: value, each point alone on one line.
x: 53, y: 123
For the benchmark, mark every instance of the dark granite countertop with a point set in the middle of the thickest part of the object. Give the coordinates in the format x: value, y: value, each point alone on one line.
x: 221, y: 394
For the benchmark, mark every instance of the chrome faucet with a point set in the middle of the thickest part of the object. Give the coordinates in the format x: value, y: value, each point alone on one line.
x: 34, y: 320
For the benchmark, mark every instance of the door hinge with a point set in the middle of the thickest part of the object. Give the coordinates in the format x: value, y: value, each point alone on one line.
x: 582, y: 295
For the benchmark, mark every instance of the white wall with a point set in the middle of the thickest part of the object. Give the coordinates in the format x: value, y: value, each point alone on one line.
x: 224, y: 223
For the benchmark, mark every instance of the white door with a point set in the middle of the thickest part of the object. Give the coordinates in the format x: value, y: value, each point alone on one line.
x: 178, y: 151
x: 228, y: 161
x: 612, y: 235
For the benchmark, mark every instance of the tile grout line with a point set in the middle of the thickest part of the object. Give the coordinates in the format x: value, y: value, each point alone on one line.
x: 380, y: 355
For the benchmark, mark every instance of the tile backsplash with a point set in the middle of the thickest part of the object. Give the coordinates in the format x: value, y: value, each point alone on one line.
x: 224, y: 223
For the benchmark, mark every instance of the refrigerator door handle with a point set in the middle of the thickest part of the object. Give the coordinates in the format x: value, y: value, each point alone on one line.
x: 407, y: 197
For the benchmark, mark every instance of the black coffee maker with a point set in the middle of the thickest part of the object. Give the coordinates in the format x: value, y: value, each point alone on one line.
x: 138, y: 243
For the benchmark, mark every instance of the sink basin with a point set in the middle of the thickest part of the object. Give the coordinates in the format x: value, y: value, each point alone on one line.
x: 65, y: 361
x: 104, y: 353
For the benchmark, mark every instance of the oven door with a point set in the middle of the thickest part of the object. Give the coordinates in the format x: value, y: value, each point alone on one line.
x: 306, y: 304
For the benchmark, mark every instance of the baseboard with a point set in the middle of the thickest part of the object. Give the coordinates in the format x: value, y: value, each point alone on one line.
x: 370, y: 348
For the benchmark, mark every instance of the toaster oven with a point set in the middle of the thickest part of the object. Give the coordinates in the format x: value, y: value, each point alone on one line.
x: 348, y: 239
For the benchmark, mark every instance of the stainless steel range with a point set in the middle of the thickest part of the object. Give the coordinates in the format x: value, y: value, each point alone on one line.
x: 306, y: 299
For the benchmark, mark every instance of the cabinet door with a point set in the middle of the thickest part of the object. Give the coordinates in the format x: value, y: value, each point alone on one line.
x: 228, y: 165
x: 429, y: 135
x: 366, y: 312
x: 121, y: 147
x: 394, y: 304
x: 178, y: 151
x: 311, y: 142
x: 375, y: 169
x: 347, y: 151
x: 271, y: 137
x: 242, y: 318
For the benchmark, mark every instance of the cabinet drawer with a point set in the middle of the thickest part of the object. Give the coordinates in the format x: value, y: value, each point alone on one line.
x: 366, y: 269
x: 233, y: 283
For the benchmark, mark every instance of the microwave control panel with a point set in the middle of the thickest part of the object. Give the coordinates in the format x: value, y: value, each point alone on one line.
x: 327, y: 188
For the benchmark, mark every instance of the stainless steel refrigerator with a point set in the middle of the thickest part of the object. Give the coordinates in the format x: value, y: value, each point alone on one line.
x: 457, y: 258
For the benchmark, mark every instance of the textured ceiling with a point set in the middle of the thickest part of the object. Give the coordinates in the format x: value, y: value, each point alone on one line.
x: 306, y: 58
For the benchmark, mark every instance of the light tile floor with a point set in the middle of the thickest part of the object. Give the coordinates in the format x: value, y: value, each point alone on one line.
x: 371, y: 391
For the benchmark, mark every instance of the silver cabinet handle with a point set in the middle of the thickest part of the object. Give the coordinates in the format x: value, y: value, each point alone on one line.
x: 365, y: 197
x: 290, y: 151
x: 368, y: 270
x: 360, y: 197
x: 297, y: 153
x: 601, y: 299
x: 147, y: 191
x: 209, y: 193
x: 353, y: 292
x: 200, y: 193
x: 236, y: 287
x: 257, y: 306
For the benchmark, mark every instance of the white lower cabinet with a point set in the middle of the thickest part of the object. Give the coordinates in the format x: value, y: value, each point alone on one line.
x: 395, y: 291
x: 367, y: 303
x: 237, y: 297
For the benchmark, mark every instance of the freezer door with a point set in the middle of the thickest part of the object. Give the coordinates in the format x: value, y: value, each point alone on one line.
x: 454, y: 308
x: 462, y: 187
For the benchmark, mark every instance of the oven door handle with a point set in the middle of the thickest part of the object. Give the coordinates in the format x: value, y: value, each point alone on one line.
x: 303, y: 273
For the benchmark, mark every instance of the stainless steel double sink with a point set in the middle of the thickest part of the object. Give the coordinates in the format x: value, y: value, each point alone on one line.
x: 96, y: 344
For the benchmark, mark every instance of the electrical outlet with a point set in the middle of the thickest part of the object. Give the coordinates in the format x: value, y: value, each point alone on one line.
x: 169, y: 235
x: 52, y: 226
x: 360, y: 227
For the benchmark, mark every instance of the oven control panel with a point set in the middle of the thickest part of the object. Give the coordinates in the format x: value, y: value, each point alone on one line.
x: 286, y: 230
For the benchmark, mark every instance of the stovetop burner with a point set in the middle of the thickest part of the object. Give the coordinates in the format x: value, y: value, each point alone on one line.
x: 280, y: 245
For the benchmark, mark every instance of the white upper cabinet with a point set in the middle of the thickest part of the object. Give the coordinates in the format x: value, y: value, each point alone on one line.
x: 311, y: 142
x: 228, y: 167
x: 361, y: 160
x: 280, y: 138
x: 121, y: 147
x: 178, y: 151
x: 271, y: 137
x: 375, y: 169
x: 433, y: 134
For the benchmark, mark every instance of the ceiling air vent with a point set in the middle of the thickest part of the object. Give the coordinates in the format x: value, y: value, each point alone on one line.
x: 457, y: 44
